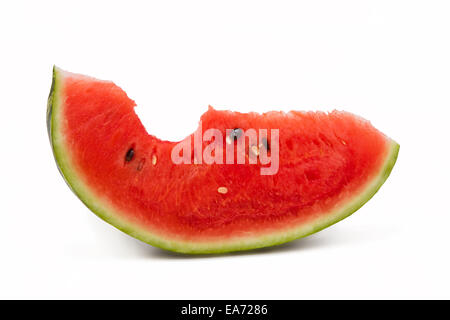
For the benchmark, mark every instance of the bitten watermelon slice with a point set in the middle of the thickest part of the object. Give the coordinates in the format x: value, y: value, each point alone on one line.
x: 330, y: 164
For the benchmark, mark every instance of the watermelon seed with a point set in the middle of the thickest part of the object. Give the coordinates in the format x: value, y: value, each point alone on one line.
x: 129, y: 156
x: 154, y: 159
x: 344, y: 143
x: 235, y: 134
x: 141, y: 164
x: 255, y: 150
x: 265, y: 144
x: 222, y: 190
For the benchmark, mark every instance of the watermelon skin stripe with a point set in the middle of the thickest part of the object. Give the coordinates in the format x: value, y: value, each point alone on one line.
x: 104, y: 209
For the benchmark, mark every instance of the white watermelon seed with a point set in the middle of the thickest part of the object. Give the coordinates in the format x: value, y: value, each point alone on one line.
x: 222, y: 190
x: 255, y: 150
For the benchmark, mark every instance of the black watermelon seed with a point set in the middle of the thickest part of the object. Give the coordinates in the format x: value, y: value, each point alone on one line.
x: 236, y: 133
x: 265, y: 143
x: 129, y: 156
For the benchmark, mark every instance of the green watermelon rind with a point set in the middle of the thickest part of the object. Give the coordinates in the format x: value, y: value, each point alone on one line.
x: 104, y: 209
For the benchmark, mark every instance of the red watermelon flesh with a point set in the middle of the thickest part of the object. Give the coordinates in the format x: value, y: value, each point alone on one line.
x: 330, y: 164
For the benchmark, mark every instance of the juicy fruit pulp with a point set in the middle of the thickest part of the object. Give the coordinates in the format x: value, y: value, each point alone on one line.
x: 329, y: 166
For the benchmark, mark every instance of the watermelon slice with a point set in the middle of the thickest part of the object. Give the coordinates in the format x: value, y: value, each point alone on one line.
x: 329, y: 165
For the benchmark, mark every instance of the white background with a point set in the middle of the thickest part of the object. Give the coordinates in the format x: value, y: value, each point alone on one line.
x: 388, y: 61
